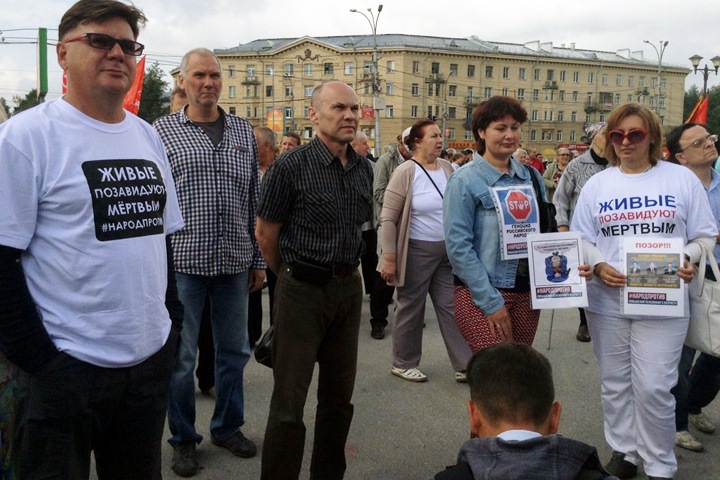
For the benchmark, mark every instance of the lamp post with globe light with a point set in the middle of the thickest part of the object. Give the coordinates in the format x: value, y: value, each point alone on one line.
x: 377, y: 106
x: 695, y: 59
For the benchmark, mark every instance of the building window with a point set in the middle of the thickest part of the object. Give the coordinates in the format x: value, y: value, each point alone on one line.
x: 562, y: 75
x: 573, y: 136
x: 506, y: 72
x: 306, y: 111
x: 618, y: 80
x: 488, y: 92
x: 251, y: 70
x: 452, y: 112
x: 488, y: 71
x: 573, y: 117
x: 349, y: 68
x: 307, y: 132
x: 308, y: 69
x: 536, y: 95
x: 631, y: 81
x: 389, y: 89
x: 561, y: 95
x: 308, y: 90
x: 452, y: 91
x: 430, y: 114
x: 505, y: 92
x: 389, y: 111
x: 534, y: 115
x: 390, y: 66
x: 451, y: 134
x: 288, y: 91
x: 368, y: 67
x: 416, y: 67
x: 231, y: 71
x: 559, y: 136
x: 548, y: 115
x: 269, y: 69
x: 591, y: 78
x: 536, y: 74
x: 550, y: 76
x: 521, y: 94
x: 268, y: 91
x: 435, y: 68
x: 576, y: 77
x: 288, y: 112
x: 471, y: 71
x: 415, y: 89
x: 641, y: 82
x: 327, y: 69
x: 603, y: 79
x: 251, y: 91
x: 561, y: 116
x: 289, y: 70
x: 522, y: 72
x: 587, y: 118
x: 232, y: 110
x: 248, y: 112
x: 453, y: 69
x: 629, y: 97
x: 231, y: 92
x: 575, y: 97
x: 617, y: 99
x: 602, y: 117
x: 533, y: 135
x: 430, y: 89
x: 413, y: 111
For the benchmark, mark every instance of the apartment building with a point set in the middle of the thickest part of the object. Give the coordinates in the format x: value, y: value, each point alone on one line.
x: 270, y: 81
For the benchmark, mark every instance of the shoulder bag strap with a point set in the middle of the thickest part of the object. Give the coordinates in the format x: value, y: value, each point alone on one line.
x: 428, y: 175
x: 535, y: 182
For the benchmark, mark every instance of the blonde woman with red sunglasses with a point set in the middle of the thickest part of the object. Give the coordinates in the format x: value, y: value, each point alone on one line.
x: 638, y: 355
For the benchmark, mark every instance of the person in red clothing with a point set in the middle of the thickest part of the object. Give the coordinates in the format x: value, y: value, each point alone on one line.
x: 535, y: 160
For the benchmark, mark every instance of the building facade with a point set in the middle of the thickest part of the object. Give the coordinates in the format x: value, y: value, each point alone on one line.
x: 270, y: 81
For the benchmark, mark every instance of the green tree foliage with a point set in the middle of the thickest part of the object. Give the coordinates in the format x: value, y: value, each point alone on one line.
x: 23, y: 103
x: 154, y: 100
x: 713, y: 118
x: 5, y: 106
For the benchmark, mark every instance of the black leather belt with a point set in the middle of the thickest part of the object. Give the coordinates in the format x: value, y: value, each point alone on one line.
x: 320, y: 274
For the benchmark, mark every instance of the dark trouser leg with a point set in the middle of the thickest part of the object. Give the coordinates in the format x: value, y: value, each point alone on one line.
x: 680, y: 391
x: 380, y: 299
x: 583, y: 318
x: 272, y: 282
x: 205, y: 371
x: 369, y: 259
x: 704, y: 383
x: 255, y: 314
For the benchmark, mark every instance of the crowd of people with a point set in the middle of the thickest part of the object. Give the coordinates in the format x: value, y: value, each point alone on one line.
x: 127, y: 251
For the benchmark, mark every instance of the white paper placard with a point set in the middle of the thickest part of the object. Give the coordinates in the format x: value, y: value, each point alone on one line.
x: 555, y: 280
x: 653, y: 287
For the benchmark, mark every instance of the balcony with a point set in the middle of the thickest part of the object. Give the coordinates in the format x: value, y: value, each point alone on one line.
x: 550, y: 85
x: 435, y: 78
x: 471, y: 101
x: 251, y: 81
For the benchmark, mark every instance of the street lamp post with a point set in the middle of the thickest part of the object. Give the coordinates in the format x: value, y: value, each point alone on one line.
x: 695, y: 59
x: 373, y: 21
x: 659, y: 51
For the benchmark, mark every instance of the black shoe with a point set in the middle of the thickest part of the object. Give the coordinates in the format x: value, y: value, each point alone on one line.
x: 659, y: 478
x: 184, y: 460
x: 238, y: 445
x: 378, y: 333
x: 620, y: 467
x: 583, y: 334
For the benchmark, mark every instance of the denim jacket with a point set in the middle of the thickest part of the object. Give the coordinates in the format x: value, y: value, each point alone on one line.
x: 472, y: 232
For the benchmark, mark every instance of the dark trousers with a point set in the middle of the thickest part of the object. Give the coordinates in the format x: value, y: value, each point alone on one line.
x: 71, y: 408
x: 255, y: 310
x: 380, y: 300
x: 205, y: 371
x: 369, y: 259
x: 697, y: 385
x: 312, y: 324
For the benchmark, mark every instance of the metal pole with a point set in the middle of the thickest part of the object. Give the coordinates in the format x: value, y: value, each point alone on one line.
x: 659, y: 53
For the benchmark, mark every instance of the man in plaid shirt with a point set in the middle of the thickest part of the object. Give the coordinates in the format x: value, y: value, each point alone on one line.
x: 213, y: 156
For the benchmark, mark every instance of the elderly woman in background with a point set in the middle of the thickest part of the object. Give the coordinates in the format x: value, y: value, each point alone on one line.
x: 521, y: 156
x: 554, y: 171
x: 414, y: 258
x: 638, y: 355
x: 492, y: 295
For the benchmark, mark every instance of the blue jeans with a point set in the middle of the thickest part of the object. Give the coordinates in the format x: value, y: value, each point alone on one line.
x: 697, y: 385
x: 228, y: 314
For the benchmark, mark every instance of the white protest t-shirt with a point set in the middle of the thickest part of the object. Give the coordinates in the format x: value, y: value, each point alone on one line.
x: 666, y: 201
x: 426, y: 219
x: 90, y: 204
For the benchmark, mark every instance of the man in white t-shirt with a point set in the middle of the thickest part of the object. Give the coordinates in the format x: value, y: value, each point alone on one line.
x: 90, y: 312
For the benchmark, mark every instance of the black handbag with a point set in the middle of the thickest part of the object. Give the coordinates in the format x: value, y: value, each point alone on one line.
x: 263, y: 348
x: 546, y: 210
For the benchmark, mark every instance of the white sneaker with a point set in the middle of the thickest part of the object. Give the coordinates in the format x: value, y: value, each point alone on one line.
x: 409, y: 374
x: 702, y: 422
x: 688, y: 442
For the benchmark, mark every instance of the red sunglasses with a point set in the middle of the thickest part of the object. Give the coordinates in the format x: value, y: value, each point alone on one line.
x: 634, y: 136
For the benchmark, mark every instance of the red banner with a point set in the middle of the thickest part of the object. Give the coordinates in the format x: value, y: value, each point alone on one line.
x: 367, y: 113
x: 699, y: 112
x: 132, y: 98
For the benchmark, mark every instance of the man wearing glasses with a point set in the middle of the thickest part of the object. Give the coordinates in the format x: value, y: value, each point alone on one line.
x: 90, y: 312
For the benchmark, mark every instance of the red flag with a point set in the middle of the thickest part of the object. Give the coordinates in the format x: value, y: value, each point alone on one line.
x: 132, y: 99
x: 699, y: 112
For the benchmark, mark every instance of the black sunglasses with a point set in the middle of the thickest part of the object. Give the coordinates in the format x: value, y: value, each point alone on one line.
x: 106, y: 42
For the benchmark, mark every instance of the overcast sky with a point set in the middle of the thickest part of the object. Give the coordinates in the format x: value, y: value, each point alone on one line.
x: 177, y: 26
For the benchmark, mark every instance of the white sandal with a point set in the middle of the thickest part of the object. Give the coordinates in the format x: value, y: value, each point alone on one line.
x: 409, y: 374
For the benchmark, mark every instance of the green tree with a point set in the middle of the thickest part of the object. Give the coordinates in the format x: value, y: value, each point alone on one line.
x: 154, y: 100
x: 5, y: 106
x: 23, y: 103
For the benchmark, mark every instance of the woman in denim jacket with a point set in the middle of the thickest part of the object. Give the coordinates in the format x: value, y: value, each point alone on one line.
x: 492, y: 295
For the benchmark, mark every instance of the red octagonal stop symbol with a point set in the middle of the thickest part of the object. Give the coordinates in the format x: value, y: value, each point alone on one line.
x: 518, y: 205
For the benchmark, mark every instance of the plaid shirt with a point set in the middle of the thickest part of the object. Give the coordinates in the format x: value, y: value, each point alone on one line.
x: 218, y: 191
x: 320, y: 204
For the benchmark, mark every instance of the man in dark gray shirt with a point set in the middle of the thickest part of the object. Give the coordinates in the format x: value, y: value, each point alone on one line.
x: 313, y: 202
